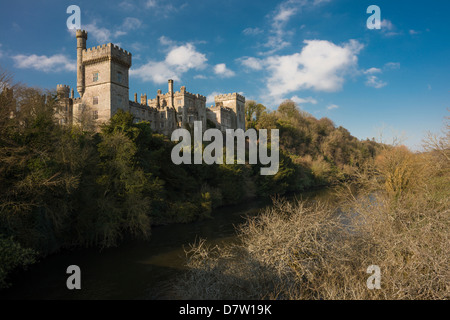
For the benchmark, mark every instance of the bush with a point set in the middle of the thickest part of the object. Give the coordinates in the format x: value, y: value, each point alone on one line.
x: 398, y: 220
x: 13, y: 256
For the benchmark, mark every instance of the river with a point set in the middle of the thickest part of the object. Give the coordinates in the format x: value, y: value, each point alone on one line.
x: 135, y: 269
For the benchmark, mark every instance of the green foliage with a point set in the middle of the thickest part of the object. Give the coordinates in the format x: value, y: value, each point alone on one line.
x: 312, y: 152
x: 231, y: 182
x: 70, y: 186
x: 13, y: 256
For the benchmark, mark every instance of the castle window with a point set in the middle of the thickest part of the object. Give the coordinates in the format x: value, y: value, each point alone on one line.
x: 95, y: 100
x: 119, y: 77
x: 119, y: 100
x: 162, y: 125
x: 162, y: 115
x: 95, y: 77
x: 95, y: 114
x: 179, y: 101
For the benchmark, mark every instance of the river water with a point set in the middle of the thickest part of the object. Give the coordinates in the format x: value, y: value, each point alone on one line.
x: 135, y: 269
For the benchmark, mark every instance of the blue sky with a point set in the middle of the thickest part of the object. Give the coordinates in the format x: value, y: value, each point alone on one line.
x: 319, y: 53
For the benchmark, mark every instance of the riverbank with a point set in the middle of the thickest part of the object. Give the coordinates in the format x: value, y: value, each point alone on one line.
x: 135, y: 269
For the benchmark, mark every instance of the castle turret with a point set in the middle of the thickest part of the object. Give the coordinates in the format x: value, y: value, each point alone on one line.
x: 81, y: 45
x: 170, y: 104
x: 62, y: 91
x: 235, y: 102
x: 144, y: 99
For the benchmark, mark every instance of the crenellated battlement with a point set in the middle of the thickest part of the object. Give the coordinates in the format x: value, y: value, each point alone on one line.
x: 188, y: 94
x: 63, y: 91
x: 105, y: 52
x: 139, y: 106
x: 102, y: 82
x: 229, y: 96
x: 81, y: 34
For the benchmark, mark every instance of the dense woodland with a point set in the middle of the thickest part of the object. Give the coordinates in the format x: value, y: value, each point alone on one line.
x: 63, y: 186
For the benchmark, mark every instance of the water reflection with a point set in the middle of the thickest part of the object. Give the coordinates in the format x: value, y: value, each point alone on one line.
x: 136, y: 269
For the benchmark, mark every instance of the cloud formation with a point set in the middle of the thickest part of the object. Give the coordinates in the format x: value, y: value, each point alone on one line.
x: 210, y: 97
x: 320, y: 66
x: 179, y: 60
x: 251, y: 63
x: 104, y: 35
x: 222, y: 70
x: 279, y: 20
x: 375, y: 82
x: 332, y: 107
x: 55, y: 63
x: 299, y: 100
x: 252, y: 31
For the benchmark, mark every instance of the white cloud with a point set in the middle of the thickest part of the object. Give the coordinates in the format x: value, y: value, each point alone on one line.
x: 332, y: 107
x: 387, y: 24
x: 127, y: 5
x: 320, y: 66
x: 284, y: 14
x: 375, y: 82
x: 186, y: 57
x: 150, y: 3
x: 388, y: 28
x: 413, y: 32
x: 200, y: 76
x: 251, y: 63
x: 392, y: 65
x: 280, y: 18
x: 179, y: 60
x: 252, y: 31
x: 104, y: 35
x: 210, y: 97
x: 131, y: 23
x: 162, y: 9
x: 99, y: 34
x: 299, y: 100
x: 1, y: 52
x: 55, y: 63
x: 372, y: 71
x: 222, y: 70
x: 157, y: 72
x: 165, y: 41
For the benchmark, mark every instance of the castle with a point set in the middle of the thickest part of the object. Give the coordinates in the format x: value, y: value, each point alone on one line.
x: 102, y: 83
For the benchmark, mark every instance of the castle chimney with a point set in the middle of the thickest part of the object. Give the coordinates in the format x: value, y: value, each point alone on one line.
x: 71, y: 94
x: 144, y: 99
x: 81, y: 45
x: 135, y: 97
x: 171, y: 93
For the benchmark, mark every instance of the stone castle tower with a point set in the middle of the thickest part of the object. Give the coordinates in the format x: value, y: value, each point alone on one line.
x: 102, y: 77
x: 236, y: 103
x: 103, y: 86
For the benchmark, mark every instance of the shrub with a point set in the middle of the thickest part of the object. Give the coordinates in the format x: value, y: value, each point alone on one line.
x: 13, y: 256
